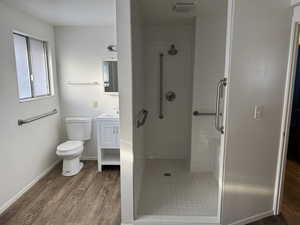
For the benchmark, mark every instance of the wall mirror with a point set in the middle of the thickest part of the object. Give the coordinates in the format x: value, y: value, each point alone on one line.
x: 110, y: 76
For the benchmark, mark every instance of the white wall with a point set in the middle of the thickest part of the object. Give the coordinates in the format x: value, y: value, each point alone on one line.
x: 80, y: 52
x: 28, y: 150
x: 260, y: 43
x: 169, y: 138
x: 210, y: 42
x: 124, y: 42
x: 138, y: 98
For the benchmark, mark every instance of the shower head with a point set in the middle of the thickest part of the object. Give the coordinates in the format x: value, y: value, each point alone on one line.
x: 173, y: 50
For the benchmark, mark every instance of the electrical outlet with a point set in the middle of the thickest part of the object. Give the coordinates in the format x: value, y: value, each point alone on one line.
x: 258, y: 111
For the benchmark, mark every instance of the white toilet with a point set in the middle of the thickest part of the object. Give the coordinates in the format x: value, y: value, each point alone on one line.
x: 79, y: 129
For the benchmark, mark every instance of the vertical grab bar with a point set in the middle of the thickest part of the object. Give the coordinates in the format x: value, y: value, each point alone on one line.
x: 161, y: 84
x: 222, y: 83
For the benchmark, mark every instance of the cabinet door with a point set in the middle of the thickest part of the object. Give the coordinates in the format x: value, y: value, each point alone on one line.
x: 107, y: 139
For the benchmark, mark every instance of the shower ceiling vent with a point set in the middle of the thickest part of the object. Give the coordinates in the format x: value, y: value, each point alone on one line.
x: 184, y: 6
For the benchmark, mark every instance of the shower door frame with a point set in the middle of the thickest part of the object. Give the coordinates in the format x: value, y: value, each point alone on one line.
x: 203, y: 220
x: 227, y: 71
x: 287, y: 111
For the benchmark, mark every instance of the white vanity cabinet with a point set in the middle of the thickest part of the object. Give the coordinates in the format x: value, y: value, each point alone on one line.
x: 108, y: 140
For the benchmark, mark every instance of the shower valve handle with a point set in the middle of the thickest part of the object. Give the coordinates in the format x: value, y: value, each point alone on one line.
x: 170, y: 96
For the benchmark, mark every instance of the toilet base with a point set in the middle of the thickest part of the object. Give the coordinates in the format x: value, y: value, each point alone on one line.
x: 71, y: 167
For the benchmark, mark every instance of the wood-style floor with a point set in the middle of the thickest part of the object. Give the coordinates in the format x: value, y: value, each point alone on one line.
x: 273, y: 220
x: 90, y: 198
x: 291, y: 197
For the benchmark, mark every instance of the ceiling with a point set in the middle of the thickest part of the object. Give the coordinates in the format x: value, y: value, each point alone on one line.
x: 103, y: 13
x: 69, y: 12
x: 161, y: 11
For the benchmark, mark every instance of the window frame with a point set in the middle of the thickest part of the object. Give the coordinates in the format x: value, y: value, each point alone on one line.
x: 31, y: 78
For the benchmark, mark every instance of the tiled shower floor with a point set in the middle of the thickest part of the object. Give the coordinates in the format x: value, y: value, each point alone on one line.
x: 181, y: 194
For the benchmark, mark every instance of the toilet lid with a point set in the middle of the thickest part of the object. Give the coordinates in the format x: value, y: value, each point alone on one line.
x: 70, y: 146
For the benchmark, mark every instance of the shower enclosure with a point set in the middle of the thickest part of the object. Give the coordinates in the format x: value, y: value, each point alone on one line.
x: 179, y: 53
x: 175, y: 61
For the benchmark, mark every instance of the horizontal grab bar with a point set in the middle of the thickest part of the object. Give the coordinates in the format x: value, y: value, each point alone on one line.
x: 29, y: 120
x: 196, y: 113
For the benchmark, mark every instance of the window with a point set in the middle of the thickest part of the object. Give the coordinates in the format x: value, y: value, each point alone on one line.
x: 32, y: 67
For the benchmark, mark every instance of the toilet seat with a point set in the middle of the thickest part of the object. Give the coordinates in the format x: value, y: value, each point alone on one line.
x: 70, y: 146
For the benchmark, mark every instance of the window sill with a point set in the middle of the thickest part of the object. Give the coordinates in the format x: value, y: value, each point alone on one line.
x: 36, y: 98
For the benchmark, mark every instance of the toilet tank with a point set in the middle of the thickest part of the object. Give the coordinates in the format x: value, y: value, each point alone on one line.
x: 79, y: 128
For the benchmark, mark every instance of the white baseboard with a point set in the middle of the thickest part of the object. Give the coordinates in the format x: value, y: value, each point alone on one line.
x: 254, y: 218
x: 7, y: 204
x: 88, y: 158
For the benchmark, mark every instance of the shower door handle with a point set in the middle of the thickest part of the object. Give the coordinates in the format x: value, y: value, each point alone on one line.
x: 222, y: 83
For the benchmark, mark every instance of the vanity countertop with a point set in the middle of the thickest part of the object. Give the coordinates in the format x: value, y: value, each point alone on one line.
x: 105, y: 116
